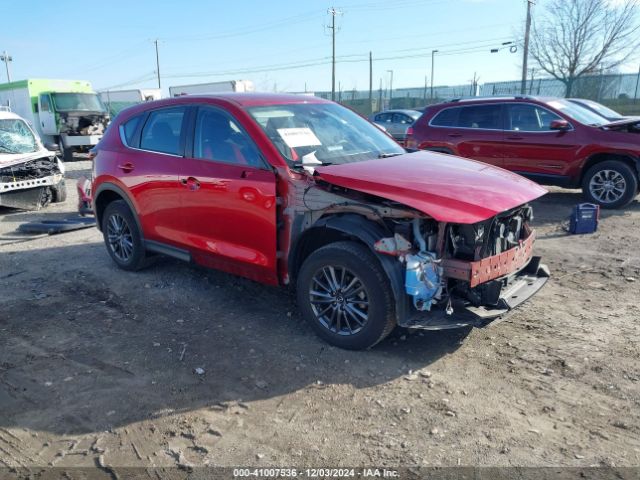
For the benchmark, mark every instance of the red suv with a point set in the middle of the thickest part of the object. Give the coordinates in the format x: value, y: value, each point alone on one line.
x: 293, y: 190
x: 552, y: 141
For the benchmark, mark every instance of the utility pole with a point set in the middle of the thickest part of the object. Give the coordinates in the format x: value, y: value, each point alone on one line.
x: 370, y: 82
x: 157, y: 62
x: 433, y: 56
x: 333, y: 12
x: 425, y: 88
x: 6, y: 58
x: 390, y: 87
x: 525, y: 55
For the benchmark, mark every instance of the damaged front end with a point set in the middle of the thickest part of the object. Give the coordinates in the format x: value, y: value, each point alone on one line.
x: 466, y: 274
x: 32, y: 184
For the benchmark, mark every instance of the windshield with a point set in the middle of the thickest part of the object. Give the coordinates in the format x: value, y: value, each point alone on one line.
x: 578, y: 113
x: 16, y: 137
x: 606, y: 112
x: 323, y: 133
x: 87, y: 102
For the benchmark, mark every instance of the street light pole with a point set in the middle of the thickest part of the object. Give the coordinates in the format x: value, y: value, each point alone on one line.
x: 433, y: 56
x: 390, y: 86
x: 6, y: 58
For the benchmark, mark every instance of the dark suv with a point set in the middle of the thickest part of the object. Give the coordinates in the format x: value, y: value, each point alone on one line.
x: 550, y: 140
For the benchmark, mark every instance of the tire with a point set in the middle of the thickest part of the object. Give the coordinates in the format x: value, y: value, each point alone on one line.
x: 614, y: 175
x: 342, y: 326
x: 59, y: 192
x: 125, y: 247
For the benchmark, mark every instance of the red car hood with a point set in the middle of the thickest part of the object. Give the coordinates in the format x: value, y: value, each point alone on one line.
x: 445, y: 187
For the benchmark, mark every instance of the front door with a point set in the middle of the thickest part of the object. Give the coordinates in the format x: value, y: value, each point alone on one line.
x: 47, y: 118
x: 228, y: 201
x: 532, y: 148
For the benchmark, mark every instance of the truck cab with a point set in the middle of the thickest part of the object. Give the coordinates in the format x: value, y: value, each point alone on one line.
x: 66, y: 112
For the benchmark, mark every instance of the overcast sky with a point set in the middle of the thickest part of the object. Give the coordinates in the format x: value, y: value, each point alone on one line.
x: 279, y: 44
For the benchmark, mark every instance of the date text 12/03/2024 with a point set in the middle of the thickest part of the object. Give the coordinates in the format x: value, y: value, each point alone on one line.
x: 315, y: 473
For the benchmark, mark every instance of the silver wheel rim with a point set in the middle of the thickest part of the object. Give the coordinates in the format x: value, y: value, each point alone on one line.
x: 339, y: 300
x: 607, y: 186
x: 119, y: 238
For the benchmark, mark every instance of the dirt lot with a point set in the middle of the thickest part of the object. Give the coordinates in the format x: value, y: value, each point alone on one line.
x: 97, y: 365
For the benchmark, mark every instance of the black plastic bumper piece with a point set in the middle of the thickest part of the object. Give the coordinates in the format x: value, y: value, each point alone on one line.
x: 526, y: 284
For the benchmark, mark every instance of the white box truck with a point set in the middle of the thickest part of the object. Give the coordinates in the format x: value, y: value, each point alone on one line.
x: 66, y: 112
x: 215, y: 87
x: 118, y: 100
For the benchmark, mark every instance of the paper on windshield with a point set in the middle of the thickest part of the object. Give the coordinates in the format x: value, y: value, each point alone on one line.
x: 299, y: 137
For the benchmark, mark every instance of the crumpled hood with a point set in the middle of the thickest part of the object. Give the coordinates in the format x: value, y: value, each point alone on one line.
x: 621, y: 123
x: 445, y: 187
x: 11, y: 159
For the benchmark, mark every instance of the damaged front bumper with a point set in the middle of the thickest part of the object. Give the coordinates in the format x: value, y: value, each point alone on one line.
x: 29, y: 188
x: 517, y: 289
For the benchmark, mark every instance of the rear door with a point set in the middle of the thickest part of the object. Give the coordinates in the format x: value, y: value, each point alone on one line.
x: 228, y: 198
x: 474, y: 131
x: 532, y: 148
x: 151, y: 171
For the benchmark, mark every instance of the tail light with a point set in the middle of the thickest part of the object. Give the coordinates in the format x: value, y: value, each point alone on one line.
x: 409, y: 141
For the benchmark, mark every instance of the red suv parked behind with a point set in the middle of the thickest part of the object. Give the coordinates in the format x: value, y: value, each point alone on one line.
x: 549, y: 140
x: 293, y: 190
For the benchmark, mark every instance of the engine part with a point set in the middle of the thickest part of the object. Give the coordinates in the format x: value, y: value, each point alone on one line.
x: 423, y: 279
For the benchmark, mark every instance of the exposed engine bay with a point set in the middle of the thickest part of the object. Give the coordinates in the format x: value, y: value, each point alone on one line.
x: 452, y: 275
x: 82, y: 123
x: 448, y: 266
x: 32, y: 184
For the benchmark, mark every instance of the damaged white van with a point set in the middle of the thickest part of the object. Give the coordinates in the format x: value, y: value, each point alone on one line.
x: 31, y: 176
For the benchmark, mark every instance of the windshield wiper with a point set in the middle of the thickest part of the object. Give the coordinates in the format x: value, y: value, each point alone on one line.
x: 302, y: 165
x: 387, y: 155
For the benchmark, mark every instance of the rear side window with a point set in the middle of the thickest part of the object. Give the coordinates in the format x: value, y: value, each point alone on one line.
x: 130, y: 127
x: 481, y: 116
x: 383, y: 117
x: 446, y: 118
x: 161, y: 132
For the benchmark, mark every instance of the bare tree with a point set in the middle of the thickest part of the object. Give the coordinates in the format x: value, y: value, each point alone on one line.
x: 578, y: 37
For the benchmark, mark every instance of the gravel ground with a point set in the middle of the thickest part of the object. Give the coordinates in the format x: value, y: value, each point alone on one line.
x: 97, y: 365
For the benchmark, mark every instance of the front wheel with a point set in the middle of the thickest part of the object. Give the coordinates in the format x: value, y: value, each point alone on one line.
x: 122, y: 237
x: 345, y: 294
x: 610, y: 184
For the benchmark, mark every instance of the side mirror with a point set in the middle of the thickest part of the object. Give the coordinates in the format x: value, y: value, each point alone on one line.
x: 53, y: 147
x: 561, y: 125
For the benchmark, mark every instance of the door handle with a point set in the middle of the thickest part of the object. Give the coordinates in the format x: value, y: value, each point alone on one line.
x: 514, y: 137
x: 455, y: 135
x: 191, y: 183
x: 127, y: 167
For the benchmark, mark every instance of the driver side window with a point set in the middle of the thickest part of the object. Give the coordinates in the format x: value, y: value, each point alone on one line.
x: 219, y: 138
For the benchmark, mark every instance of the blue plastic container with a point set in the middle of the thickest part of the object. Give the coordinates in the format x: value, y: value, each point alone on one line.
x: 584, y: 218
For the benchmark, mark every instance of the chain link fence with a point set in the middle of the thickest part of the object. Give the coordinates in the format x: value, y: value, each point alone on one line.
x: 618, y: 91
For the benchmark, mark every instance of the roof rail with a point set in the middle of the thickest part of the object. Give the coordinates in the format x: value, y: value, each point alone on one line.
x: 5, y: 108
x: 494, y: 97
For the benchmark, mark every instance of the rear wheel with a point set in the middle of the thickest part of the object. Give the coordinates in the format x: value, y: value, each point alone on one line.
x: 344, y: 293
x: 610, y: 184
x: 122, y: 237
